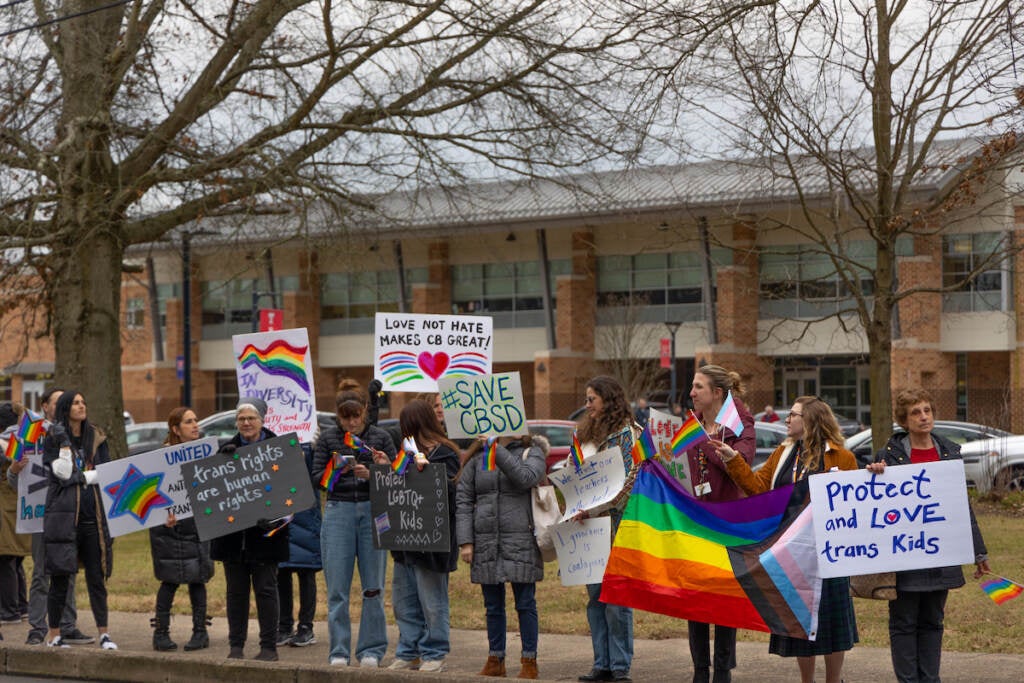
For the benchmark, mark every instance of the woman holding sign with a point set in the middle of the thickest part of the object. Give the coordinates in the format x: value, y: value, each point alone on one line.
x: 419, y: 588
x: 179, y: 556
x: 608, y: 422
x: 814, y: 445
x: 711, y: 482
x: 915, y: 616
x: 341, y: 466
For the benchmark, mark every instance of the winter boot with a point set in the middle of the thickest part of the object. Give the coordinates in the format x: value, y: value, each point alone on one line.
x: 200, y: 639
x: 495, y: 666
x: 161, y: 633
x: 528, y: 667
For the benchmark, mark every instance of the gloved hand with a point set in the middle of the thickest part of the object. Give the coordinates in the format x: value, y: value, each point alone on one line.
x: 90, y: 477
x: 374, y: 388
x: 58, y: 434
x: 62, y: 467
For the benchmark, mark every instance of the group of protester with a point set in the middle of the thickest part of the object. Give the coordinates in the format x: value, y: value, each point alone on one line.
x: 491, y: 530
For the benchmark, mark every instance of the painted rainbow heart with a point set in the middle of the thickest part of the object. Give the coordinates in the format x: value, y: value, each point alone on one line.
x: 433, y: 364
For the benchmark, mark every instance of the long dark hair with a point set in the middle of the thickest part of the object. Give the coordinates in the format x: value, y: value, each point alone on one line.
x: 62, y: 416
x: 418, y: 420
x: 614, y: 416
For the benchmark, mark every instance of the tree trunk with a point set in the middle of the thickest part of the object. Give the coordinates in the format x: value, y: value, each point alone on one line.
x: 879, y: 334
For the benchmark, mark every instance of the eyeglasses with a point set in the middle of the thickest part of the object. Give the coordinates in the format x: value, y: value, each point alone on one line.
x: 792, y: 414
x: 246, y: 418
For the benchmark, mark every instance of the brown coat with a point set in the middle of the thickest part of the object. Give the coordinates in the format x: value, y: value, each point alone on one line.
x: 764, y: 479
x: 11, y: 543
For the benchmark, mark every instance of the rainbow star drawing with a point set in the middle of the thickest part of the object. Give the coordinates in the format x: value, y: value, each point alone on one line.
x: 137, y: 494
x: 280, y: 359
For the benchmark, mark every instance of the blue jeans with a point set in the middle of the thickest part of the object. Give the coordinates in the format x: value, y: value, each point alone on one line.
x: 346, y: 536
x: 611, y: 632
x: 526, y: 607
x: 420, y: 597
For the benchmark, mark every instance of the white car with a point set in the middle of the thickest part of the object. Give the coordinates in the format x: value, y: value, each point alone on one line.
x: 994, y: 463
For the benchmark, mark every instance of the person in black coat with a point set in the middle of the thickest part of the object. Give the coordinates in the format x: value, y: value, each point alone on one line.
x: 250, y: 557
x: 179, y: 556
x: 74, y: 527
x: 916, y: 615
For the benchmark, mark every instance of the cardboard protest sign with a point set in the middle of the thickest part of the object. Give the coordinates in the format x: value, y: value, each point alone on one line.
x: 486, y: 404
x: 413, y: 351
x: 598, y: 481
x: 137, y: 492
x: 264, y: 480
x: 663, y: 427
x: 277, y: 367
x: 410, y: 510
x: 32, y: 485
x: 583, y: 550
x: 911, y: 517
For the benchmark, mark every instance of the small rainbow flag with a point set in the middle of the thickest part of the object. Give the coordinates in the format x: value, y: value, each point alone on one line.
x: 729, y: 416
x: 354, y: 442
x: 688, y: 436
x: 335, y: 468
x: 490, y: 459
x: 15, y: 449
x: 576, y: 451
x: 285, y: 521
x: 1001, y: 589
x: 30, y: 430
x: 405, y: 455
x: 644, y: 448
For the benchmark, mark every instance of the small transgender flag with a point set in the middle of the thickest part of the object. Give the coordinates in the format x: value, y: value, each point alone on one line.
x: 688, y: 436
x: 576, y: 451
x: 644, y: 448
x: 729, y: 417
x: 1001, y: 589
x: 353, y: 442
x: 490, y: 459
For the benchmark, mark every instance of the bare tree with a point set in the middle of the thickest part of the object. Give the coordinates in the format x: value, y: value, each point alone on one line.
x: 623, y: 345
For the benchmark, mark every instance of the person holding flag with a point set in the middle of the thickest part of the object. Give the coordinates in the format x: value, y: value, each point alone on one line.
x: 341, y: 466
x: 14, y: 547
x: 717, y: 414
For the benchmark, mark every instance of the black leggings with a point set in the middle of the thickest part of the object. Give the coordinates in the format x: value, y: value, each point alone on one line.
x: 196, y: 595
x: 91, y: 556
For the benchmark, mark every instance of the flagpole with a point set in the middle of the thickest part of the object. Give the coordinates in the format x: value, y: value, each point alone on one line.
x: 701, y: 424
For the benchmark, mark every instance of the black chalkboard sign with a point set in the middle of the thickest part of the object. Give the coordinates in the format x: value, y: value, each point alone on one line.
x: 264, y: 480
x: 410, y: 511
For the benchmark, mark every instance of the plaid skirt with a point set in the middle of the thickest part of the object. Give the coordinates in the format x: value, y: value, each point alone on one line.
x: 837, y: 625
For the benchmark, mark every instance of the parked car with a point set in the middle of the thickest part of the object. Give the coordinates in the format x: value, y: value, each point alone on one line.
x: 222, y: 425
x: 957, y: 432
x: 996, y: 463
x: 143, y: 437
x: 846, y: 425
x: 769, y: 436
x: 559, y: 435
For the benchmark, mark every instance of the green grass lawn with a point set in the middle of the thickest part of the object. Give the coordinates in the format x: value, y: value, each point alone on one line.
x: 973, y: 622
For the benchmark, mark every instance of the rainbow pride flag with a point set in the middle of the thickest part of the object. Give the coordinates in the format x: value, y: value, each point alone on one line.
x: 15, y: 450
x: 749, y: 563
x: 490, y: 459
x: 30, y: 430
x: 576, y: 451
x: 332, y: 473
x: 354, y: 442
x: 405, y: 455
x: 688, y: 436
x: 1001, y: 589
x: 643, y: 448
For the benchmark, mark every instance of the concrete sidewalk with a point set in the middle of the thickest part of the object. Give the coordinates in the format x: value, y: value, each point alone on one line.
x: 562, y: 658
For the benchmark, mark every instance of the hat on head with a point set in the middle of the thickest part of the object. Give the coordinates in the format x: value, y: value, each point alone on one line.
x: 257, y: 404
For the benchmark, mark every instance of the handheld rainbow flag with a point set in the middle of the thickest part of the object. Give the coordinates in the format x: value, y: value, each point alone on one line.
x: 643, y: 448
x: 354, y: 442
x: 576, y: 451
x: 332, y: 473
x: 30, y: 430
x: 490, y: 459
x: 1001, y: 589
x: 688, y: 436
x: 729, y: 417
x: 15, y: 450
x: 405, y: 456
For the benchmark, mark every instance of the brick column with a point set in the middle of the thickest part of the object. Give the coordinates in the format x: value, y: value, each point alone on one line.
x: 435, y: 295
x: 302, y: 309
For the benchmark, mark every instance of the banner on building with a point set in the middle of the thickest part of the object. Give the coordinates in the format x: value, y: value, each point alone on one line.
x: 413, y: 351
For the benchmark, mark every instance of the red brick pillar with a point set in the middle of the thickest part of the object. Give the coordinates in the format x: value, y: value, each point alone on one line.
x: 435, y: 295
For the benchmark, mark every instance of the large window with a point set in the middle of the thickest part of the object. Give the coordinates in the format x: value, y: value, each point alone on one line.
x: 348, y: 301
x: 511, y: 293
x: 969, y: 264
x: 802, y: 282
x: 135, y: 313
x: 226, y: 386
x: 228, y: 304
x: 669, y: 286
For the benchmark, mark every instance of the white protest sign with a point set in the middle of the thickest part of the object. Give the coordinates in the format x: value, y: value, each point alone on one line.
x: 137, y: 492
x: 599, y: 479
x: 487, y: 404
x: 910, y: 517
x: 412, y: 352
x: 277, y: 367
x: 32, y: 485
x: 583, y: 549
x: 663, y: 427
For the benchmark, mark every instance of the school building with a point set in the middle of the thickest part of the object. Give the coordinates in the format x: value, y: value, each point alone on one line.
x: 722, y: 250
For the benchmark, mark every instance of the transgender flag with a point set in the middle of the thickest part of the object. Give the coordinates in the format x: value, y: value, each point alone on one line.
x: 729, y: 417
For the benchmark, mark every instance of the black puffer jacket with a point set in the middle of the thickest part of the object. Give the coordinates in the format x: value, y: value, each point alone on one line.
x: 178, y: 554
x: 349, y: 488
x: 251, y: 546
x: 897, y: 452
x: 438, y: 562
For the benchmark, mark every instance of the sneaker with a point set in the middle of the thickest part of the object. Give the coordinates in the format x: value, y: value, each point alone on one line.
x: 106, y: 643
x: 16, y: 619
x: 432, y: 666
x: 369, y: 662
x: 339, y: 661
x: 400, y: 664
x: 303, y: 637
x: 35, y: 638
x: 57, y: 642
x: 285, y: 638
x: 76, y: 637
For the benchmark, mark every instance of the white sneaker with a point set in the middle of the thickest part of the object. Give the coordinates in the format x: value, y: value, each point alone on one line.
x: 339, y: 661
x: 400, y: 664
x: 106, y: 643
x: 369, y: 662
x: 432, y: 666
x: 56, y: 642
